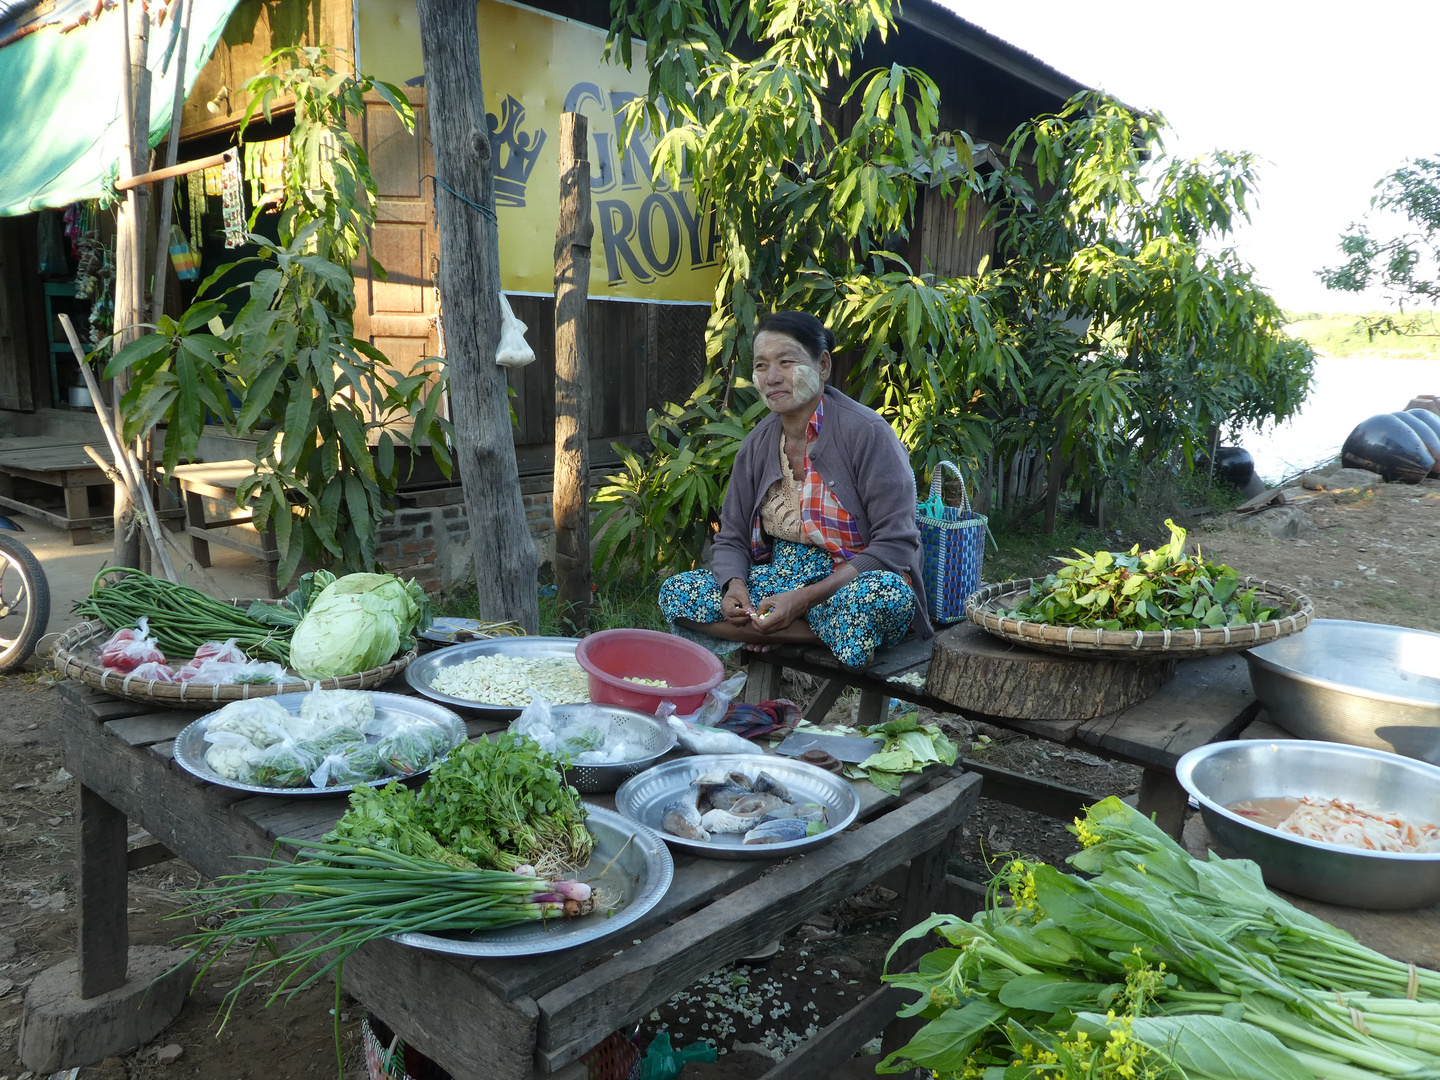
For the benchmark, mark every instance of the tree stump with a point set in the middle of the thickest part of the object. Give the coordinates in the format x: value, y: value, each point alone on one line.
x: 980, y: 673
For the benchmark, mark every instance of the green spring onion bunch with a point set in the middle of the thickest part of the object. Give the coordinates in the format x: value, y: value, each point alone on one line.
x: 1164, y: 589
x: 1159, y: 966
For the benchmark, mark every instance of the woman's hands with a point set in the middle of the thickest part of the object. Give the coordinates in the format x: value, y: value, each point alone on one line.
x: 735, y: 605
x: 779, y: 611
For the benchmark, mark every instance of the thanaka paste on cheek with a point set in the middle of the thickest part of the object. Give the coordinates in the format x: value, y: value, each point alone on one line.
x: 806, y: 382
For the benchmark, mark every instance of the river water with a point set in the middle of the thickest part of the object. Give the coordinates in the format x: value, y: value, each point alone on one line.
x: 1345, y: 392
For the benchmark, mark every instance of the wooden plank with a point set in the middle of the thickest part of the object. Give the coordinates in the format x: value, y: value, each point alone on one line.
x: 1262, y: 728
x: 149, y: 855
x: 98, y: 706
x: 978, y: 672
x: 1162, y: 797
x: 151, y: 728
x: 101, y: 925
x: 697, y: 881
x: 433, y: 1002
x: 577, y: 1015
x: 823, y: 1055
x: 1209, y: 699
x: 963, y: 897
x: 762, y: 679
x: 189, y: 817
x: 60, y: 521
x: 829, y: 692
x: 296, y: 819
x: 1046, y: 797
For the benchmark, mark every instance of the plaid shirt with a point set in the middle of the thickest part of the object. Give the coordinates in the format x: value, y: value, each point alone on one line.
x: 825, y: 523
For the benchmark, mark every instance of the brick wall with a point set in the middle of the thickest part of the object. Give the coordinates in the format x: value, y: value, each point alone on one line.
x: 432, y: 543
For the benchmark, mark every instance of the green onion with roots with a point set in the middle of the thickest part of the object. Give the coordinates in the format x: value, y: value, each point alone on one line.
x: 336, y: 897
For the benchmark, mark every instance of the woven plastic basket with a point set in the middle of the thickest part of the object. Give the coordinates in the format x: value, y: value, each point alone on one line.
x: 71, y: 659
x: 984, y: 606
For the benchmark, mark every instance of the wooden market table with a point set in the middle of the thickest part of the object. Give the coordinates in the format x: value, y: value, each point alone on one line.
x: 499, y: 1019
x: 1208, y: 700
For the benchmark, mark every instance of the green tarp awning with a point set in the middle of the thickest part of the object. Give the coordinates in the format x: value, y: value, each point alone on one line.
x: 62, y: 127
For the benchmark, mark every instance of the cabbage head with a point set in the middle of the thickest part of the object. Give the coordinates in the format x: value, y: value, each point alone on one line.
x: 356, y: 623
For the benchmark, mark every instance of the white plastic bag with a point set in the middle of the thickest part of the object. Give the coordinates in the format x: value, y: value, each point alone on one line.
x: 585, y: 735
x: 514, y: 350
x: 697, y: 731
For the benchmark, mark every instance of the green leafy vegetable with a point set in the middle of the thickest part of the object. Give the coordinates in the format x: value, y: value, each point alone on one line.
x: 909, y: 747
x: 357, y: 622
x: 1159, y: 966
x: 1164, y: 589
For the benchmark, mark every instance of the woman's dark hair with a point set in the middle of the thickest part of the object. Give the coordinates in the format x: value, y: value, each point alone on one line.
x: 809, y: 331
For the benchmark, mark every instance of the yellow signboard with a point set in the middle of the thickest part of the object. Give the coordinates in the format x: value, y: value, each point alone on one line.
x: 650, y: 243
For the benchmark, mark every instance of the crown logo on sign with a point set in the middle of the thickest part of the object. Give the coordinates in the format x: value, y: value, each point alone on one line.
x: 514, y: 152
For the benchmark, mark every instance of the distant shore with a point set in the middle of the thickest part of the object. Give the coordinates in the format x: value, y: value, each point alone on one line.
x: 1343, y: 336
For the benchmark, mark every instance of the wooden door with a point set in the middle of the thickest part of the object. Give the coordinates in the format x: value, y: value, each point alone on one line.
x: 398, y: 315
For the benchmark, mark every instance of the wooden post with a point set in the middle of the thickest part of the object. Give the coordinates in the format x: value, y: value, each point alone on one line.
x: 130, y: 267
x: 505, y: 559
x: 167, y: 189
x: 572, y: 375
x: 103, y: 928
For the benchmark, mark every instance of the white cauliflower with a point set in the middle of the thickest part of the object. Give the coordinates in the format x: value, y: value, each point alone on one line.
x: 261, y: 721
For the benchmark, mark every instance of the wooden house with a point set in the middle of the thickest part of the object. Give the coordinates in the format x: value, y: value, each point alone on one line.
x: 654, y: 267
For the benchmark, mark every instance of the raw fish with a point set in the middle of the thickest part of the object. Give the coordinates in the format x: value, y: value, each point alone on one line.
x: 726, y: 796
x: 810, y: 811
x: 722, y: 821
x: 760, y: 806
x: 765, y: 784
x: 682, y: 817
x: 776, y: 831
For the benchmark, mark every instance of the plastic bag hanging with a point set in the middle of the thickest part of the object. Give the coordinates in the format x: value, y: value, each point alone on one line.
x: 232, y: 201
x: 514, y: 350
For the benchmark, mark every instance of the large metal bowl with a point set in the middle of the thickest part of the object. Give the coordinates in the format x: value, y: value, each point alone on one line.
x: 1222, y: 774
x: 425, y: 668
x: 643, y: 799
x: 1360, y: 683
x: 631, y: 867
x: 656, y: 739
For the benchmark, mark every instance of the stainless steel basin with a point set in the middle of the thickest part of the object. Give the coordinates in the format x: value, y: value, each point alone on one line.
x: 1222, y: 774
x: 1365, y: 684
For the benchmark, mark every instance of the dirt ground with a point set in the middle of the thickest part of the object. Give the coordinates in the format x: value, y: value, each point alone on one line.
x: 1365, y: 556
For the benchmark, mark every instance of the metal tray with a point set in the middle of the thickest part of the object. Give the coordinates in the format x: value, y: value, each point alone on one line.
x: 190, y: 744
x: 643, y: 799
x: 419, y: 673
x: 638, y: 877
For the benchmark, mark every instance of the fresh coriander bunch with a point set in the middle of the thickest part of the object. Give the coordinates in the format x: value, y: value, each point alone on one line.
x: 1163, y: 589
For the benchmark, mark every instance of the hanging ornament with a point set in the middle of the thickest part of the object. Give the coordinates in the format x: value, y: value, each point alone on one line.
x: 232, y: 200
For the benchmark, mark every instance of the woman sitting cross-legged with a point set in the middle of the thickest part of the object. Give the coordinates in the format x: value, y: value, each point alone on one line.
x: 817, y: 539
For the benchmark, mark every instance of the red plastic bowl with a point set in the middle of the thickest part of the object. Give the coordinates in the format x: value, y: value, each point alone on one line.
x: 613, y: 657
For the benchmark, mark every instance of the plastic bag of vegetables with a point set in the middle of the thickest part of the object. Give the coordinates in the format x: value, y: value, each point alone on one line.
x: 414, y: 745
x: 353, y: 764
x: 357, y: 623
x: 262, y: 721
x: 283, y: 765
x: 231, y: 756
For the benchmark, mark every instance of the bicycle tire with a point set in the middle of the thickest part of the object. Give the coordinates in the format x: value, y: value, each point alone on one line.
x: 15, y: 556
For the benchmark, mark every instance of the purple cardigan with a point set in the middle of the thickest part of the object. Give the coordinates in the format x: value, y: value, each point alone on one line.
x: 865, y: 463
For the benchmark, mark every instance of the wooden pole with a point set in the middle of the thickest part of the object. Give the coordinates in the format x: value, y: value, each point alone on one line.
x: 505, y: 560
x: 572, y: 375
x: 171, y: 170
x: 130, y: 310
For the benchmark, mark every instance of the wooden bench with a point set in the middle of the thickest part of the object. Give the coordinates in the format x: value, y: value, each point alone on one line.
x: 1209, y: 699
x: 65, y: 465
x: 218, y: 481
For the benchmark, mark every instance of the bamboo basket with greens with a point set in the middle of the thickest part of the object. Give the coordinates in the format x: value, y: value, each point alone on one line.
x: 1154, y: 602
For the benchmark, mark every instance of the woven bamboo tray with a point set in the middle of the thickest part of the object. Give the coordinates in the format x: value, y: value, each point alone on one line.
x: 983, y: 608
x: 70, y: 659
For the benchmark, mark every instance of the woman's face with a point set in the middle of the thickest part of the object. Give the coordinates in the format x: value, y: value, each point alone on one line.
x: 787, y: 378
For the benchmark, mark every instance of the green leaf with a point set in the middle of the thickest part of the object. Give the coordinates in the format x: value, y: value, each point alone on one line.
x: 1049, y: 993
x: 1213, y: 1047
x: 944, y: 1044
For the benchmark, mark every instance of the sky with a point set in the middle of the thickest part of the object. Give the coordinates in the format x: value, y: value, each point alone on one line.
x: 1330, y: 97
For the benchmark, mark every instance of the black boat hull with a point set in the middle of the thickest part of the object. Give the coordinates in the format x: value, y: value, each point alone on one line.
x: 1428, y: 435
